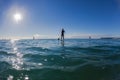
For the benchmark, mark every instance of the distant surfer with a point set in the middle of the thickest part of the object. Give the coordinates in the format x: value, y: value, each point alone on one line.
x: 62, y: 34
x: 33, y: 37
x: 89, y: 37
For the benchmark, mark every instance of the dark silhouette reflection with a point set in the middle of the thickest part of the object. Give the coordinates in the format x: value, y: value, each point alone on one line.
x: 62, y: 43
x: 63, y: 52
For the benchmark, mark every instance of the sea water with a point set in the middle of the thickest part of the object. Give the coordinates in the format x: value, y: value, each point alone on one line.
x: 47, y: 59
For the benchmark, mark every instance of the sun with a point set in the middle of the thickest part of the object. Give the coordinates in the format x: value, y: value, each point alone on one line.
x: 17, y: 17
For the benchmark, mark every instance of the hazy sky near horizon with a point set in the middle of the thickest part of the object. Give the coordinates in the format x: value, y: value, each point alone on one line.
x: 47, y: 17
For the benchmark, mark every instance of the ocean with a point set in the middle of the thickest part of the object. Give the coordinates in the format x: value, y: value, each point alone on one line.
x: 47, y: 59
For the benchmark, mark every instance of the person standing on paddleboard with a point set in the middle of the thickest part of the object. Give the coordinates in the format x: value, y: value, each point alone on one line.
x: 62, y: 34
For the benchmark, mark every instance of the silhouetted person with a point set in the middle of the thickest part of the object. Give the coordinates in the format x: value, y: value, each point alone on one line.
x: 62, y: 34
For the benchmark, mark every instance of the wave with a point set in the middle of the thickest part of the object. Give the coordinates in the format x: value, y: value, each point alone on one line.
x: 5, y: 53
x: 113, y: 57
x: 4, y: 66
x: 98, y: 60
x: 95, y: 49
x: 37, y: 49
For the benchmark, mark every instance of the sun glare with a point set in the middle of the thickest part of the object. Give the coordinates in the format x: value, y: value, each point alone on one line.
x: 17, y: 17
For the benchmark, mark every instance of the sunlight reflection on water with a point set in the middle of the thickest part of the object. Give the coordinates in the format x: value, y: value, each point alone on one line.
x: 22, y: 77
x: 17, y: 61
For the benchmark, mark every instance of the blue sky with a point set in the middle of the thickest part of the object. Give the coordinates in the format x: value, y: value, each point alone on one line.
x: 79, y: 18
